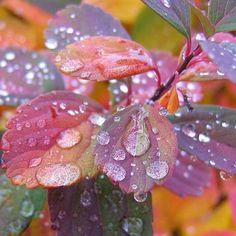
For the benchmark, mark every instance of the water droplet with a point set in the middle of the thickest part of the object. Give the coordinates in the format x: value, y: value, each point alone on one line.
x: 71, y: 65
x: 137, y: 143
x: 69, y: 138
x: 225, y: 176
x: 41, y: 123
x: 35, y: 162
x: 27, y: 208
x: 133, y: 226
x: 189, y: 130
x: 32, y: 142
x: 114, y: 171
x: 166, y: 3
x: 158, y: 170
x: 204, y: 138
x: 61, y: 214
x: 85, y: 198
x: 96, y: 119
x: 119, y: 155
x: 103, y: 138
x: 51, y: 43
x: 140, y: 197
x: 225, y: 124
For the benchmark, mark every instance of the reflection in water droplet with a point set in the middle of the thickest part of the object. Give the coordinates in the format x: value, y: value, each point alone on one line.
x: 137, y: 143
x: 158, y: 170
x: 69, y: 138
x: 114, y: 171
x: 103, y: 138
x: 140, y: 197
x: 133, y: 226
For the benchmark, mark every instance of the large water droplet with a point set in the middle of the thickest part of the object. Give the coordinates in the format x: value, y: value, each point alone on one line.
x: 51, y: 43
x: 137, y: 143
x: 97, y: 119
x: 158, y: 170
x: 114, y: 171
x: 133, y: 226
x: 69, y: 138
x: 103, y: 138
x: 71, y: 65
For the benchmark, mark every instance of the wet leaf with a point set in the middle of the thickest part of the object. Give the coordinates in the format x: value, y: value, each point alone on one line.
x: 96, y: 207
x: 222, y: 14
x: 136, y: 148
x: 189, y: 177
x: 201, y: 68
x: 48, y: 141
x: 75, y: 23
x: 177, y: 13
x: 149, y: 23
x: 18, y: 206
x: 209, y: 134
x: 104, y: 58
x: 25, y: 74
x: 223, y: 55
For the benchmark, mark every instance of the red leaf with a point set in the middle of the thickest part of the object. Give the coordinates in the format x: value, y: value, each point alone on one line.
x: 104, y: 58
x: 136, y: 147
x: 47, y: 142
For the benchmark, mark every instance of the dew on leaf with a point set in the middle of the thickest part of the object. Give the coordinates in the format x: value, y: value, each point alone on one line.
x: 115, y: 171
x: 103, y: 138
x: 157, y: 170
x: 119, y: 155
x: 69, y: 138
x: 85, y: 198
x: 97, y: 119
x: 35, y: 162
x: 140, y: 197
x: 137, y: 143
x: 166, y: 3
x: 204, y: 138
x: 225, y: 175
x: 189, y: 130
x: 133, y: 226
x: 27, y: 208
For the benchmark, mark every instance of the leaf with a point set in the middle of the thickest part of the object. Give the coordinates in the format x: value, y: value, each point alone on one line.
x: 177, y: 13
x: 75, y: 23
x: 18, y: 206
x: 201, y: 68
x: 223, y: 55
x: 222, y: 14
x: 96, y: 207
x: 104, y: 58
x: 48, y: 141
x: 209, y: 134
x: 136, y: 148
x: 206, y: 24
x: 149, y: 23
x: 189, y: 176
x: 26, y: 74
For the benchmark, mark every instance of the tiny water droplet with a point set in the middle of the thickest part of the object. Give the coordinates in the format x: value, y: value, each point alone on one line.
x: 133, y: 226
x: 103, y: 138
x: 140, y: 197
x: 85, y: 198
x: 119, y: 155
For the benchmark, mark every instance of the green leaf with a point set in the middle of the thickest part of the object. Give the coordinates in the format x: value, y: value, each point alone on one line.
x: 206, y: 24
x: 18, y: 206
x: 149, y: 23
x: 177, y: 13
x: 223, y: 55
x: 97, y: 207
x: 222, y: 14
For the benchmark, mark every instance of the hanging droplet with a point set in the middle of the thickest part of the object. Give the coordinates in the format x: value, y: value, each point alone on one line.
x: 158, y: 170
x: 137, y: 143
x: 69, y: 138
x: 140, y: 197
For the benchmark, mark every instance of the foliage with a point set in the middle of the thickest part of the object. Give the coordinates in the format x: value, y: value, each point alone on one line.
x: 101, y: 121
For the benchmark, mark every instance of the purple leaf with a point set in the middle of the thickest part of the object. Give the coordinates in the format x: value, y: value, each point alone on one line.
x: 136, y: 148
x: 177, y: 13
x: 222, y: 14
x: 209, y: 133
x: 223, y: 55
x: 97, y: 207
x: 75, y: 23
x: 189, y: 177
x: 26, y: 74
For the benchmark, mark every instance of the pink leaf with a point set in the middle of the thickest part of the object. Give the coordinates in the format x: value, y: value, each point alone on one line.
x: 48, y: 140
x: 136, y: 148
x: 104, y: 58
